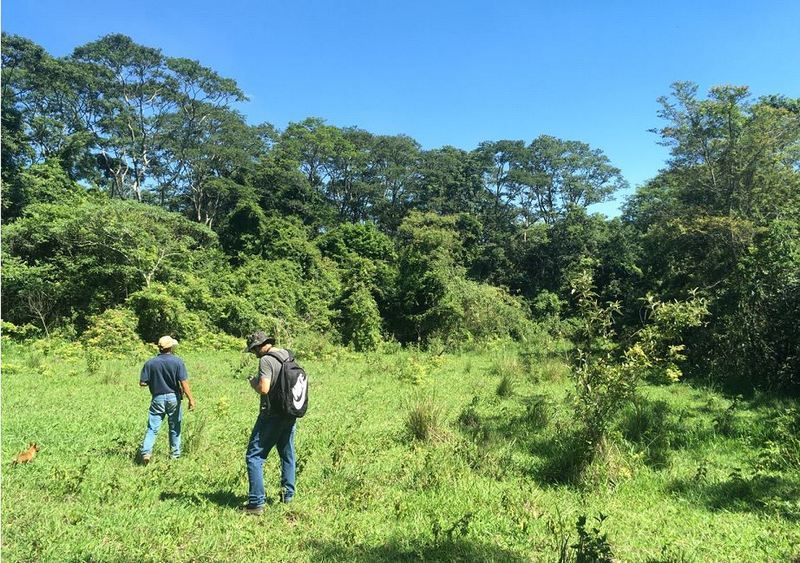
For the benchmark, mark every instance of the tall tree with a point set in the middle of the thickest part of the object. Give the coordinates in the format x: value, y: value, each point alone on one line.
x: 567, y: 173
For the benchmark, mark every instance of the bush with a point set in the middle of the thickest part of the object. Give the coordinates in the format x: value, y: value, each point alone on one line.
x: 592, y: 546
x: 361, y: 320
x: 239, y: 316
x: 160, y: 312
x: 114, y: 330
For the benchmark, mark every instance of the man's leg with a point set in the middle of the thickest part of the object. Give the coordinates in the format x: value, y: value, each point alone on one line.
x: 154, y: 419
x: 175, y: 415
x: 254, y: 459
x: 285, y: 447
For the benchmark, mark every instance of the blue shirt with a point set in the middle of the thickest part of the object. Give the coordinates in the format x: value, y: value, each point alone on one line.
x: 163, y: 374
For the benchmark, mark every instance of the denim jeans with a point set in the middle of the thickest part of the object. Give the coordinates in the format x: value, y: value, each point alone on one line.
x: 163, y: 405
x: 270, y: 431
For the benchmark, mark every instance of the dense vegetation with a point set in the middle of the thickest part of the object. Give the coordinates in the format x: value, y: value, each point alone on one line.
x: 137, y: 201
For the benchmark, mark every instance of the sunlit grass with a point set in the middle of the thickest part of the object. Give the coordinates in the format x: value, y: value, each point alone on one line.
x: 402, y: 456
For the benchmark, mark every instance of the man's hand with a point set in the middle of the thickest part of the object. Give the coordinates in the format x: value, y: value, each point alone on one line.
x: 259, y: 385
x: 191, y: 403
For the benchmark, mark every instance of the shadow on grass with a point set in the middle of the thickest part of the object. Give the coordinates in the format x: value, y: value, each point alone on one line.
x: 225, y: 499
x: 561, y: 453
x: 755, y: 493
x: 450, y: 550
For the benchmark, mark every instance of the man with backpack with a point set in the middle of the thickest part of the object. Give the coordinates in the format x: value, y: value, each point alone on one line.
x: 282, y: 385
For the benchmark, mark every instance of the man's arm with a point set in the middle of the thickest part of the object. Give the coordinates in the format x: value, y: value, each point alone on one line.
x: 261, y: 382
x: 188, y: 392
x: 260, y: 385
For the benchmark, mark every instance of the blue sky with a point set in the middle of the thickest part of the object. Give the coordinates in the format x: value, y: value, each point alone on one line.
x: 457, y: 73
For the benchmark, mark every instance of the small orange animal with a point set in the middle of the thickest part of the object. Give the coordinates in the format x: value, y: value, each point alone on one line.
x: 26, y: 456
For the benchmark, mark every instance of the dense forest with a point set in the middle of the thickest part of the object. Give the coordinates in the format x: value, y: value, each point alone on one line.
x: 137, y: 200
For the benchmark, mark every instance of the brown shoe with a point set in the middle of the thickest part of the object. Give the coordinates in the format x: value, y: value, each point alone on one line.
x: 146, y: 458
x: 253, y: 510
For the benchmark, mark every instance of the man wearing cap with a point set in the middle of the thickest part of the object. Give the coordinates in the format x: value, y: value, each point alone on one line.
x: 168, y: 381
x: 271, y: 429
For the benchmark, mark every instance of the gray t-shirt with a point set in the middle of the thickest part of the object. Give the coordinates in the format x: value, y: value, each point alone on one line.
x: 269, y: 367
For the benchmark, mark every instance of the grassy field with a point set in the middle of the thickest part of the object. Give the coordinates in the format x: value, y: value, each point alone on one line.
x: 402, y: 456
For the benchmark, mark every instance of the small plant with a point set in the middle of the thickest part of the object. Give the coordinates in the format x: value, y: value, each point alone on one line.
x: 469, y: 419
x: 725, y: 422
x: 537, y: 411
x: 93, y: 361
x: 701, y: 475
x: 193, y: 437
x: 506, y: 387
x: 592, y: 546
x: 223, y: 406
x: 412, y: 370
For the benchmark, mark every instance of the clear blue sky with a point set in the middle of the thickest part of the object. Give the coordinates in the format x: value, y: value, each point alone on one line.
x: 456, y: 72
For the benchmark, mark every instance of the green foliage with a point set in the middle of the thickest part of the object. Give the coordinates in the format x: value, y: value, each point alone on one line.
x: 239, y: 316
x: 592, y: 546
x: 160, y: 312
x: 781, y: 450
x: 76, y: 260
x: 18, y: 333
x: 45, y: 182
x: 607, y: 380
x: 361, y: 324
x: 423, y: 421
x: 114, y: 330
x: 243, y: 230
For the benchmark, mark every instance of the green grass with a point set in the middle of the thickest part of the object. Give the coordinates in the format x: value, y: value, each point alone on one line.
x: 402, y: 456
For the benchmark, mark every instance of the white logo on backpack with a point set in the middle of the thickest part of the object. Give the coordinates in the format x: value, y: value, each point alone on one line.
x: 299, y: 391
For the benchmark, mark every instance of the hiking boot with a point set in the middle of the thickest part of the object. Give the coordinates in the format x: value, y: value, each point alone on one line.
x: 253, y: 510
x: 146, y: 458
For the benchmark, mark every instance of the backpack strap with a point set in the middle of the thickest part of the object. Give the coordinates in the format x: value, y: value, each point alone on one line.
x: 277, y: 357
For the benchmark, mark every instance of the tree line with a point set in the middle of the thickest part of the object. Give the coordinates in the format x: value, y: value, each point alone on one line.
x: 135, y: 192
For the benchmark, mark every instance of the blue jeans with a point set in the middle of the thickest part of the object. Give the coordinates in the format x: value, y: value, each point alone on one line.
x: 163, y: 405
x: 270, y: 431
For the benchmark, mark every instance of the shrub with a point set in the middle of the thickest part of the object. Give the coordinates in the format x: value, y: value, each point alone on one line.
x: 361, y: 320
x: 160, y: 312
x: 239, y: 316
x: 19, y: 333
x: 606, y: 380
x: 114, y: 330
x: 592, y: 546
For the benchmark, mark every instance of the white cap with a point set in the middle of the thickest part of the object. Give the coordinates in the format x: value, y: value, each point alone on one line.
x: 166, y: 342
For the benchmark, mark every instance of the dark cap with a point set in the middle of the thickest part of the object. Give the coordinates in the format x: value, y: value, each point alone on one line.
x: 257, y: 339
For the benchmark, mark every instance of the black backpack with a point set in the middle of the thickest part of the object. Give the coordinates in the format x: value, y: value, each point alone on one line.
x: 288, y: 394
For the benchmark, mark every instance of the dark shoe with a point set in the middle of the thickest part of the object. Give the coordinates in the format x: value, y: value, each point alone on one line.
x: 253, y: 510
x: 285, y: 499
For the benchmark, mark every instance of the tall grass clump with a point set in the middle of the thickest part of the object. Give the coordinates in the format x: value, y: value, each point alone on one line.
x: 423, y: 421
x: 506, y: 387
